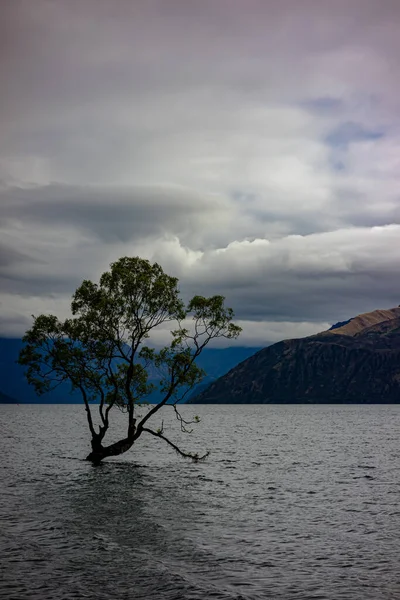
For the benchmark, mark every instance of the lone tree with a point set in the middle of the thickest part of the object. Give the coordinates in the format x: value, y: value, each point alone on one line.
x: 101, y: 350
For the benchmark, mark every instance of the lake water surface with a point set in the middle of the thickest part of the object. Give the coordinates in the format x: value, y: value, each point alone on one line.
x: 294, y: 502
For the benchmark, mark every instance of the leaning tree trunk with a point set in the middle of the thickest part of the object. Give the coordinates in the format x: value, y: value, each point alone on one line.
x: 100, y: 452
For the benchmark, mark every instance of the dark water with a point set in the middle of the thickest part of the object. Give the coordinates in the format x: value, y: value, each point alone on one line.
x: 295, y: 502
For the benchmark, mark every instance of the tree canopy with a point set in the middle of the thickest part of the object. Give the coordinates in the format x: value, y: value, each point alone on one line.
x: 103, y: 351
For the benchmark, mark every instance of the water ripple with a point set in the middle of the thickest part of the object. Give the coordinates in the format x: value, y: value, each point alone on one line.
x: 294, y: 503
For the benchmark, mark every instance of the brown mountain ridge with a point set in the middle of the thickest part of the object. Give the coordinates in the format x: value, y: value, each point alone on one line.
x: 356, y: 362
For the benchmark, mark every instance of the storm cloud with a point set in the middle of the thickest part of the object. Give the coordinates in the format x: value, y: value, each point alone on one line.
x: 250, y: 148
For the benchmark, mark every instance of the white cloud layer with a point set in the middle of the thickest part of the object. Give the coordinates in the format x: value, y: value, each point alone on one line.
x: 252, y: 149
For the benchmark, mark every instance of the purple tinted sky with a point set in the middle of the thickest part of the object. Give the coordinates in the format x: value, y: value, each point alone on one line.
x: 251, y: 147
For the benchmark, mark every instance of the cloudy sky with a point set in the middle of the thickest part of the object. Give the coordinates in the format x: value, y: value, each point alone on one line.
x: 252, y: 147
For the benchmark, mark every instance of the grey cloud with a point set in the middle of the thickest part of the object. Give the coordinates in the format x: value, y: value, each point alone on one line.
x: 9, y: 257
x: 32, y: 283
x: 321, y: 277
x: 347, y: 133
x: 179, y: 130
x: 113, y: 214
x: 88, y: 56
x: 325, y: 105
x: 13, y: 325
x: 120, y: 214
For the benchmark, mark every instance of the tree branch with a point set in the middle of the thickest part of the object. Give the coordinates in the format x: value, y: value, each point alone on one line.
x: 194, y: 457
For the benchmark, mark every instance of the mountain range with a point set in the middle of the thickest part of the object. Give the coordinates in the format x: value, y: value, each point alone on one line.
x: 215, y: 362
x: 356, y: 361
x: 5, y: 399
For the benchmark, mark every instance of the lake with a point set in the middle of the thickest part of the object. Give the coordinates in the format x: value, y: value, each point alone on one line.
x: 294, y: 502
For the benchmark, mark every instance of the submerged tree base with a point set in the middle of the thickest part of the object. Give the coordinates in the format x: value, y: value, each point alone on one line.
x: 95, y: 458
x: 100, y: 452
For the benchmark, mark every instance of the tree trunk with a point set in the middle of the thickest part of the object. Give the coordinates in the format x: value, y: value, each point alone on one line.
x: 100, y: 452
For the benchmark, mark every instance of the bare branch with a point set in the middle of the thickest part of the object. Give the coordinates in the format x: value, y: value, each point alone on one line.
x: 183, y: 422
x: 194, y: 457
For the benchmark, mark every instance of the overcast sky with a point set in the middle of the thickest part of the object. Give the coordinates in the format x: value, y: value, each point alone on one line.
x: 252, y: 147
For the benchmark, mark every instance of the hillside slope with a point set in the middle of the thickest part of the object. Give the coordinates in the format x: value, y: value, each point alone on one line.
x: 358, y: 362
x: 5, y: 399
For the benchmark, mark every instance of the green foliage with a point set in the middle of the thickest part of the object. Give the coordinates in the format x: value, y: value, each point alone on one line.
x: 100, y: 350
